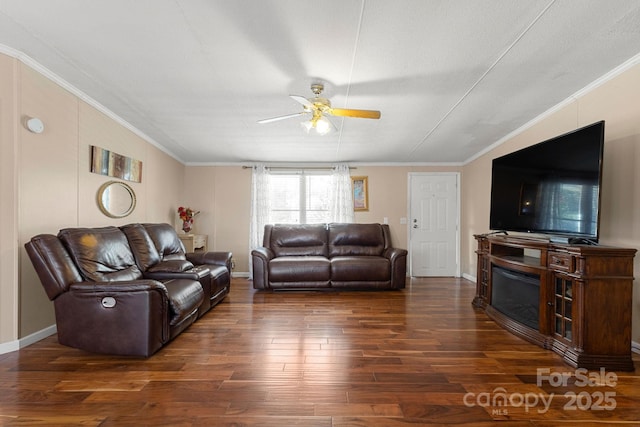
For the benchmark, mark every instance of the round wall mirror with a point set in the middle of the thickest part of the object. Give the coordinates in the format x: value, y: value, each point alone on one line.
x: 116, y: 199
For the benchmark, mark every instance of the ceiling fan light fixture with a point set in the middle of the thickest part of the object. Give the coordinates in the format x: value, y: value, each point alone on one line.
x: 323, y: 126
x: 319, y: 123
x: 307, y: 125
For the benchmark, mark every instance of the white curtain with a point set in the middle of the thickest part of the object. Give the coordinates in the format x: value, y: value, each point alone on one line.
x: 341, y: 195
x: 259, y: 209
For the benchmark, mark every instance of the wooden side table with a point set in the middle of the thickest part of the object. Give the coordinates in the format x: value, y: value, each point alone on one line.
x: 194, y: 242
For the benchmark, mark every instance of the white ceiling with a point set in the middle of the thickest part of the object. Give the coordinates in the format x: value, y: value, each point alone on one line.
x: 450, y: 77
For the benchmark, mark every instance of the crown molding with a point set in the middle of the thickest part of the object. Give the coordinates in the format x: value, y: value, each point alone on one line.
x: 35, y: 65
x: 329, y: 164
x: 625, y: 66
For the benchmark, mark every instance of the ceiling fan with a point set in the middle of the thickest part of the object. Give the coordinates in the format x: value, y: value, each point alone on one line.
x: 319, y: 108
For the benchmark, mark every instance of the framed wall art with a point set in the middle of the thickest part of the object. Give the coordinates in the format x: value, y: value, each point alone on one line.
x: 360, y: 193
x: 105, y: 162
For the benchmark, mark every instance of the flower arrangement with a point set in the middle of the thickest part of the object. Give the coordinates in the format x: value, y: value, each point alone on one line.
x: 187, y: 215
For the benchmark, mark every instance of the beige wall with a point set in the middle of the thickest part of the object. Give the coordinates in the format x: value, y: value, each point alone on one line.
x: 48, y: 182
x: 47, y: 177
x: 222, y: 195
x: 8, y: 196
x: 614, y: 102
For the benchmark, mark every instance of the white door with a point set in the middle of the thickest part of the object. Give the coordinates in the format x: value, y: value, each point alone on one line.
x: 433, y: 225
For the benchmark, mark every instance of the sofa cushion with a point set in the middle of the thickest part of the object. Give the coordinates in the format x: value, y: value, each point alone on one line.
x: 53, y: 264
x: 142, y: 245
x: 171, y: 266
x: 300, y: 269
x: 166, y: 241
x: 219, y: 274
x: 101, y: 254
x: 356, y: 239
x: 297, y: 239
x: 360, y: 268
x: 185, y: 296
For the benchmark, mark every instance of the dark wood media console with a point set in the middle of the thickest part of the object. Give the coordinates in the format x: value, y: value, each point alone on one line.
x: 585, y: 297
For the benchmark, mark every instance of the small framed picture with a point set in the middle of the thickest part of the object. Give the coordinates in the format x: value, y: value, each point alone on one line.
x: 360, y: 193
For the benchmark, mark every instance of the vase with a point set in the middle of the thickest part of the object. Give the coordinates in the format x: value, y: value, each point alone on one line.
x: 186, y: 226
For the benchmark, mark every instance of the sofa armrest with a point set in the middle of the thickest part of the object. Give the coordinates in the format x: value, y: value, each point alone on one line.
x: 260, y: 258
x: 119, y: 287
x: 398, y: 260
x: 263, y: 253
x: 196, y: 273
x: 170, y: 266
x: 392, y: 254
x: 124, y: 318
x: 211, y: 258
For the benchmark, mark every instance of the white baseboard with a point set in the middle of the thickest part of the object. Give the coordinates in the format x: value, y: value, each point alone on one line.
x: 469, y: 277
x: 8, y: 347
x: 243, y: 274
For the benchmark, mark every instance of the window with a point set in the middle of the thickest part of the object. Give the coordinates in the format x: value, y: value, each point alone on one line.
x: 300, y: 197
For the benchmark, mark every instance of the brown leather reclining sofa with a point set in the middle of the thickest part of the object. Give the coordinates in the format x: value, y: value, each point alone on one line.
x: 348, y: 256
x: 128, y: 290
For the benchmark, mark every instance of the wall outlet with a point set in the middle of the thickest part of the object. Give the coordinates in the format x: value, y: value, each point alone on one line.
x: 385, y: 220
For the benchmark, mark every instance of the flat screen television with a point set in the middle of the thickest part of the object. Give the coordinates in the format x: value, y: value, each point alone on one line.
x: 552, y: 187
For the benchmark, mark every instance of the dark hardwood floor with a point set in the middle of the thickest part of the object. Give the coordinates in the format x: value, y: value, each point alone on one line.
x: 422, y: 356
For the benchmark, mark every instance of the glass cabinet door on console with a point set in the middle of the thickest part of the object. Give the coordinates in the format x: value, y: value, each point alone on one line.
x: 563, y: 305
x: 484, y: 289
x: 483, y: 292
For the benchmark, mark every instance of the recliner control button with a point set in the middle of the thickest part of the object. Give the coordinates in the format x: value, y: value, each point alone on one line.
x: 108, y: 302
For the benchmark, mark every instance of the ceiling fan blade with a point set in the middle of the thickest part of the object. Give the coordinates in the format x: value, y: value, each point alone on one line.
x: 275, y: 119
x: 363, y: 114
x: 302, y: 100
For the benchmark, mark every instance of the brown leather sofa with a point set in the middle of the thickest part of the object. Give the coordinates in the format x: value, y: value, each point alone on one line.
x: 129, y: 290
x: 344, y: 256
